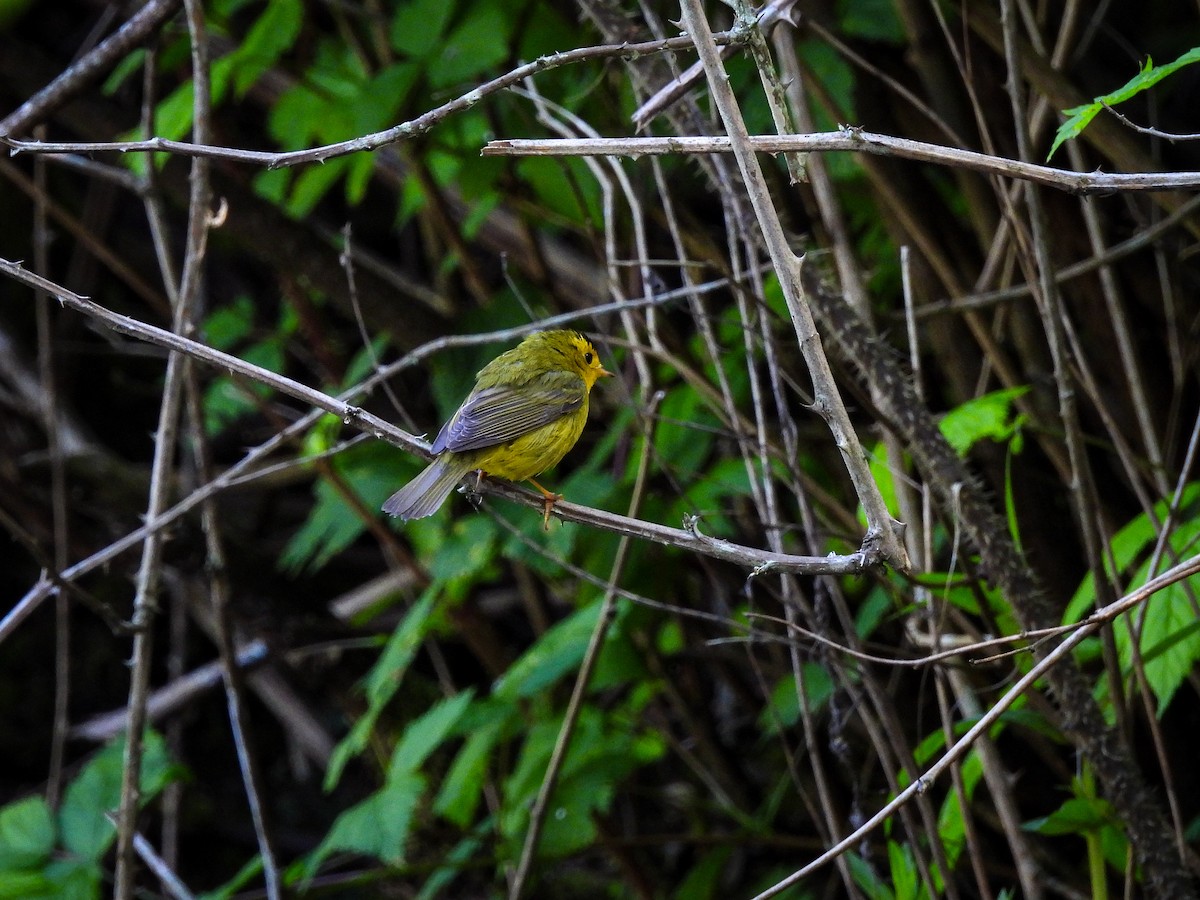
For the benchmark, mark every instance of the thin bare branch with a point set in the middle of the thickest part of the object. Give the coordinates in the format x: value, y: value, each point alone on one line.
x: 854, y: 140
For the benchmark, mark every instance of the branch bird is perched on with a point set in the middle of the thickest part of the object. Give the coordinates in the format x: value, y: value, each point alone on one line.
x: 527, y: 409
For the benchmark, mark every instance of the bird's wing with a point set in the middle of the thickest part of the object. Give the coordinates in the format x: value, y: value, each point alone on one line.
x: 500, y: 414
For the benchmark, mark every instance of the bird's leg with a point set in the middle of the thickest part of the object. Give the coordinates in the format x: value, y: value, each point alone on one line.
x: 476, y: 495
x: 548, y: 501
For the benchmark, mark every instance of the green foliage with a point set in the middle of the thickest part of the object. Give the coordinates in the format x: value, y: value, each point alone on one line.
x: 379, y: 825
x: 1094, y: 820
x: 783, y: 709
x: 1078, y: 117
x: 44, y: 854
x: 991, y: 416
x: 835, y: 76
x: 703, y: 882
x: 271, y: 35
x: 368, y: 472
x: 871, y: 19
x: 604, y: 750
x: 250, y: 871
x: 384, y: 680
x: 952, y: 823
x: 1075, y: 816
x: 227, y: 399
x: 1169, y: 641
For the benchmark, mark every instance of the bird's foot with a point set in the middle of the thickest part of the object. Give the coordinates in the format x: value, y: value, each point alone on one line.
x: 548, y: 500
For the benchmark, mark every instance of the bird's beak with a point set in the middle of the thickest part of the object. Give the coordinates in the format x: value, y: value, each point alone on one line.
x: 604, y: 373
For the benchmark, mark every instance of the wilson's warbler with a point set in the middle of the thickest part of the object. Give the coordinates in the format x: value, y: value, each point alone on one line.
x: 526, y: 411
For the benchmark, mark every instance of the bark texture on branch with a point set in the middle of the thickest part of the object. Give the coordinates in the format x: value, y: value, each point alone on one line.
x: 964, y: 498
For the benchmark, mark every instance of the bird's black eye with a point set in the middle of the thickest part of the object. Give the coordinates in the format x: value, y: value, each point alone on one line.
x: 587, y: 358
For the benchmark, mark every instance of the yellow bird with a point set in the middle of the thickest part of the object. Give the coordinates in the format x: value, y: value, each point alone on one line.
x: 527, y: 409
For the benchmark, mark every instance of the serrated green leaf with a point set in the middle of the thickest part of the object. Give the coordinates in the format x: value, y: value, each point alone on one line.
x: 1078, y: 117
x: 557, y: 652
x: 378, y: 826
x: 426, y: 733
x: 384, y: 680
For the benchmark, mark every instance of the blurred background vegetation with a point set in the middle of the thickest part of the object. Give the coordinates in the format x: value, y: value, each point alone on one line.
x: 405, y: 686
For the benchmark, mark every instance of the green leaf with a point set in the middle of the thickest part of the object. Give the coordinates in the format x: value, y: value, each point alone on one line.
x: 230, y: 324
x: 867, y: 880
x: 678, y: 442
x: 952, y: 827
x: 378, y: 826
x: 333, y: 525
x: 557, y: 652
x: 461, y: 553
x: 61, y: 879
x: 173, y: 116
x: 600, y: 756
x: 426, y: 733
x: 24, y: 885
x: 271, y: 35
x: 881, y: 472
x: 247, y: 873
x: 1076, y: 816
x: 566, y: 190
x: 312, y: 185
x: 905, y: 880
x: 874, y: 20
x: 703, y: 882
x: 1079, y: 117
x: 74, y: 879
x: 26, y: 833
x: 123, y: 70
x: 992, y: 416
x: 384, y: 680
x: 228, y: 398
x: 836, y: 78
x: 417, y: 27
x: 475, y: 46
x: 462, y: 788
x: 453, y: 863
x: 1170, y: 638
x: 96, y: 792
x: 783, y: 709
x: 364, y: 361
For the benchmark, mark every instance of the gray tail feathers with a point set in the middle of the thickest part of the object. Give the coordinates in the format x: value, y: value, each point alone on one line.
x: 424, y: 494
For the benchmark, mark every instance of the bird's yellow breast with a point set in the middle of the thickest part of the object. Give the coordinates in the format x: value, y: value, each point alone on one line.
x: 532, y: 453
